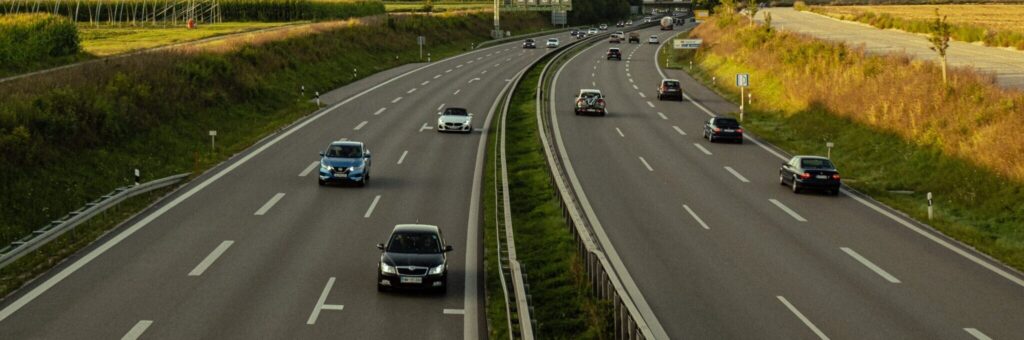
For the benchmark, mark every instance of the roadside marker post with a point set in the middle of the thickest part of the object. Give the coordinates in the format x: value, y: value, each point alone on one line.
x: 213, y: 140
x: 929, y: 205
x: 302, y: 89
x: 138, y: 178
x: 829, y: 145
x: 318, y: 99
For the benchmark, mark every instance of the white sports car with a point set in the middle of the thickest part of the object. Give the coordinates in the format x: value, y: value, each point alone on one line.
x: 455, y: 119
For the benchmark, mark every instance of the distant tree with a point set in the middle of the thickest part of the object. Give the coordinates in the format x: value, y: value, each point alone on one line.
x: 752, y: 10
x: 940, y: 31
x: 727, y: 6
x: 768, y: 20
x: 706, y: 4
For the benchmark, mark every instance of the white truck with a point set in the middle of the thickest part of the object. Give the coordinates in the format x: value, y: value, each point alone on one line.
x: 666, y: 23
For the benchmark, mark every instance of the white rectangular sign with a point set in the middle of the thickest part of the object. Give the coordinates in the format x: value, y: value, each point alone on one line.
x: 686, y: 44
x: 743, y: 80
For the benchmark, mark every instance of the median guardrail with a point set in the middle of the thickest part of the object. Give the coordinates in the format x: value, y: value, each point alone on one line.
x: 40, y: 237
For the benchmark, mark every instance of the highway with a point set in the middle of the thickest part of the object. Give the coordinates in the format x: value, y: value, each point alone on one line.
x: 719, y: 250
x: 255, y: 249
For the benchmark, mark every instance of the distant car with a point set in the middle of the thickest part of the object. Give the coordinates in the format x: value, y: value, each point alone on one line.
x: 614, y: 39
x: 415, y: 256
x: 590, y: 101
x: 647, y: 19
x: 455, y: 119
x: 653, y: 40
x: 345, y: 162
x: 573, y: 33
x: 620, y: 24
x: 603, y: 27
x: 553, y: 42
x: 629, y: 23
x: 634, y: 37
x: 670, y: 88
x: 723, y: 128
x: 810, y: 172
x: 614, y: 53
x: 530, y: 43
x: 591, y: 31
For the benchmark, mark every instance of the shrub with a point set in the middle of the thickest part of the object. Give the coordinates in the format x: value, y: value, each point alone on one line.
x: 31, y: 38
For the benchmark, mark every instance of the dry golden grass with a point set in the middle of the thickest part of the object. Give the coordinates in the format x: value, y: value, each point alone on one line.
x: 235, y: 42
x: 994, y: 17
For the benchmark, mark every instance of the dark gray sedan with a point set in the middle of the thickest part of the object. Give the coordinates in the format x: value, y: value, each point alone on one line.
x: 810, y: 172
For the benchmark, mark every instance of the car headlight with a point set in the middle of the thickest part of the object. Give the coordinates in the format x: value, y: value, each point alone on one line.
x: 386, y: 269
x: 325, y: 167
x: 358, y: 168
x: 437, y: 270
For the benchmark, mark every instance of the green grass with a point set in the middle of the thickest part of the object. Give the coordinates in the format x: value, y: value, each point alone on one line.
x: 437, y: 6
x: 109, y: 40
x: 974, y: 204
x: 544, y: 244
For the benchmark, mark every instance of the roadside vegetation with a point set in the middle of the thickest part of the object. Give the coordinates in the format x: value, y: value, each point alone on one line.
x: 143, y: 12
x: 69, y: 136
x: 36, y: 40
x: 107, y: 41
x: 438, y: 6
x: 899, y: 132
x: 563, y: 305
x: 1000, y: 25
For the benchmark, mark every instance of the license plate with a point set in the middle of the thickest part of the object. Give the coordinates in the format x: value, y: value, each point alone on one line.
x: 821, y: 177
x: 341, y: 175
x: 730, y: 130
x: 411, y: 279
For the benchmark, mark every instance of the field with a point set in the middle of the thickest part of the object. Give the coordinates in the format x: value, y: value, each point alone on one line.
x: 106, y: 41
x: 437, y: 6
x: 994, y: 24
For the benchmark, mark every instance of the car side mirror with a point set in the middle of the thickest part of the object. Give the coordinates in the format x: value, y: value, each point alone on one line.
x: 448, y: 248
x: 367, y: 153
x: 470, y: 114
x: 321, y: 153
x: 380, y: 246
x: 440, y: 113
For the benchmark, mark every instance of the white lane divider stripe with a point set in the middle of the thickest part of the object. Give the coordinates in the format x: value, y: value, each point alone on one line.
x: 437, y: 76
x: 662, y: 115
x: 379, y: 111
x: 460, y: 66
x: 450, y: 311
x: 620, y: 132
x: 448, y: 71
x: 699, y: 220
x: 439, y: 107
x: 137, y: 330
x: 642, y: 95
x: 680, y: 131
x: 787, y: 210
x: 867, y: 263
x: 309, y: 169
x: 456, y: 92
x: 410, y: 90
x: 402, y: 158
x: 977, y: 334
x: 594, y: 83
x: 213, y: 256
x: 593, y: 74
x: 630, y: 80
x: 803, y: 318
x: 372, y: 206
x: 628, y: 75
x: 483, y: 72
x: 702, y: 149
x: 361, y: 125
x: 270, y: 204
x: 396, y: 100
x: 649, y: 168
x: 425, y: 83
x: 649, y: 103
x: 635, y: 87
x: 320, y: 303
x: 425, y: 127
x: 737, y: 174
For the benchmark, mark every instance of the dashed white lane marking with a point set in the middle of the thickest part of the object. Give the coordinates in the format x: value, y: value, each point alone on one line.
x: 479, y: 58
x: 662, y: 115
x: 437, y: 76
x: 425, y: 127
x: 396, y: 100
x: 360, y: 126
x: 595, y: 67
x: 137, y: 330
x: 649, y: 168
x: 456, y: 92
x: 425, y: 83
x: 483, y: 72
x: 448, y: 71
x: 977, y: 334
x: 270, y: 204
x: 695, y: 217
x: 702, y: 149
x: 871, y: 265
x: 498, y: 64
x: 439, y: 107
x: 635, y: 87
x: 449, y: 311
x: 472, y: 80
x: 401, y: 159
x: 320, y: 304
x: 649, y: 103
x: 680, y: 131
x: 309, y: 169
x: 509, y: 59
x: 629, y: 75
x: 212, y: 257
x: 372, y: 206
x: 594, y: 83
x: 469, y: 62
x: 787, y: 210
x: 630, y: 80
x: 460, y: 66
x: 642, y: 95
x: 593, y: 75
x: 620, y: 132
x: 410, y: 90
x: 342, y: 139
x: 802, y: 318
x: 737, y: 174
x: 379, y: 111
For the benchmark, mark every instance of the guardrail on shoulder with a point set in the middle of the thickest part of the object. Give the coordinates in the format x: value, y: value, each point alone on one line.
x: 51, y: 231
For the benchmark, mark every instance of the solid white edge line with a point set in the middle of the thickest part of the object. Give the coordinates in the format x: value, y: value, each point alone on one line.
x: 360, y: 126
x: 211, y: 258
x: 117, y: 239
x: 787, y: 210
x: 680, y: 131
x: 694, y: 215
x: 137, y: 330
x: 402, y: 158
x: 702, y: 149
x: 270, y: 204
x: 871, y: 265
x: 977, y: 334
x: 309, y: 169
x: 620, y: 132
x: 648, y: 166
x: 373, y: 205
x: 737, y: 174
x: 320, y: 303
x: 802, y: 318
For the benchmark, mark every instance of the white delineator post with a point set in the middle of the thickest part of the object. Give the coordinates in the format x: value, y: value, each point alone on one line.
x: 213, y: 140
x: 929, y: 206
x: 830, y: 145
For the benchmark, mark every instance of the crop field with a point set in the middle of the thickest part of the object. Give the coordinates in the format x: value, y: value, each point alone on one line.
x: 437, y: 6
x: 992, y: 16
x: 106, y: 41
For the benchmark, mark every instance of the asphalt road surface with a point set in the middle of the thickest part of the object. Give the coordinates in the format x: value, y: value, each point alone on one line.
x: 255, y: 249
x: 720, y: 250
x: 1007, y: 65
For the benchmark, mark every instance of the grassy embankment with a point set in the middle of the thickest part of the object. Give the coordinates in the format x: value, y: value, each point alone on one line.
x: 1000, y: 25
x: 895, y: 127
x: 71, y: 136
x: 563, y: 306
x: 438, y: 6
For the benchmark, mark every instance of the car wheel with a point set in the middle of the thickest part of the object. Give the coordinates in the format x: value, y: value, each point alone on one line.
x: 577, y: 112
x: 711, y: 138
x: 321, y: 182
x: 381, y: 288
x: 740, y: 140
x: 796, y: 187
x: 835, y: 192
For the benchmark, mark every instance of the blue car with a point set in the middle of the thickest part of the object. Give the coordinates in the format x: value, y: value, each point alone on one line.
x: 345, y: 162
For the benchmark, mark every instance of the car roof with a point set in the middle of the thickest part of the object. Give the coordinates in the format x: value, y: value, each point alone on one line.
x: 590, y: 90
x: 810, y: 157
x: 416, y: 228
x: 613, y: 49
x: 669, y: 79
x: 347, y: 142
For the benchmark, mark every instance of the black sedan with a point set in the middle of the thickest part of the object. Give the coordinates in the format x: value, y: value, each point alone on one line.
x: 530, y: 43
x: 723, y: 128
x: 414, y: 257
x: 614, y: 53
x: 810, y: 172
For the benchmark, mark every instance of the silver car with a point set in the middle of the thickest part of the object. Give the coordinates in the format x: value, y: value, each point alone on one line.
x: 455, y: 119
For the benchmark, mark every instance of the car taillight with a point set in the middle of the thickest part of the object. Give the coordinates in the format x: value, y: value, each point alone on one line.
x: 579, y: 102
x: 717, y: 130
x: 600, y: 102
x: 835, y: 177
x: 739, y: 130
x: 805, y: 175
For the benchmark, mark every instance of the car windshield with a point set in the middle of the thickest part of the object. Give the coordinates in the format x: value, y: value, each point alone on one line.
x: 529, y: 40
x: 727, y: 123
x: 455, y: 112
x: 613, y: 50
x: 344, y: 151
x: 414, y: 243
x: 816, y: 163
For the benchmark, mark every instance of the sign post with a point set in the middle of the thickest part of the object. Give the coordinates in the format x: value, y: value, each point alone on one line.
x: 213, y: 140
x: 421, y: 40
x: 687, y: 44
x: 742, y: 81
x: 830, y: 145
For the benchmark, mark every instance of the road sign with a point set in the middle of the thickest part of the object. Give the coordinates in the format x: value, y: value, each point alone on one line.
x: 421, y: 40
x: 743, y: 80
x: 701, y: 13
x: 687, y: 44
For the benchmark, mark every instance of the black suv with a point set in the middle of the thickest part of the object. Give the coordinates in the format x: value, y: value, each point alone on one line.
x: 414, y: 257
x: 670, y: 88
x: 614, y: 53
x: 723, y: 128
x: 530, y: 43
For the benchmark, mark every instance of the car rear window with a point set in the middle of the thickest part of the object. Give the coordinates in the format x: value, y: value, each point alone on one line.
x: 816, y: 163
x: 671, y: 84
x: 414, y: 243
x: 726, y: 123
